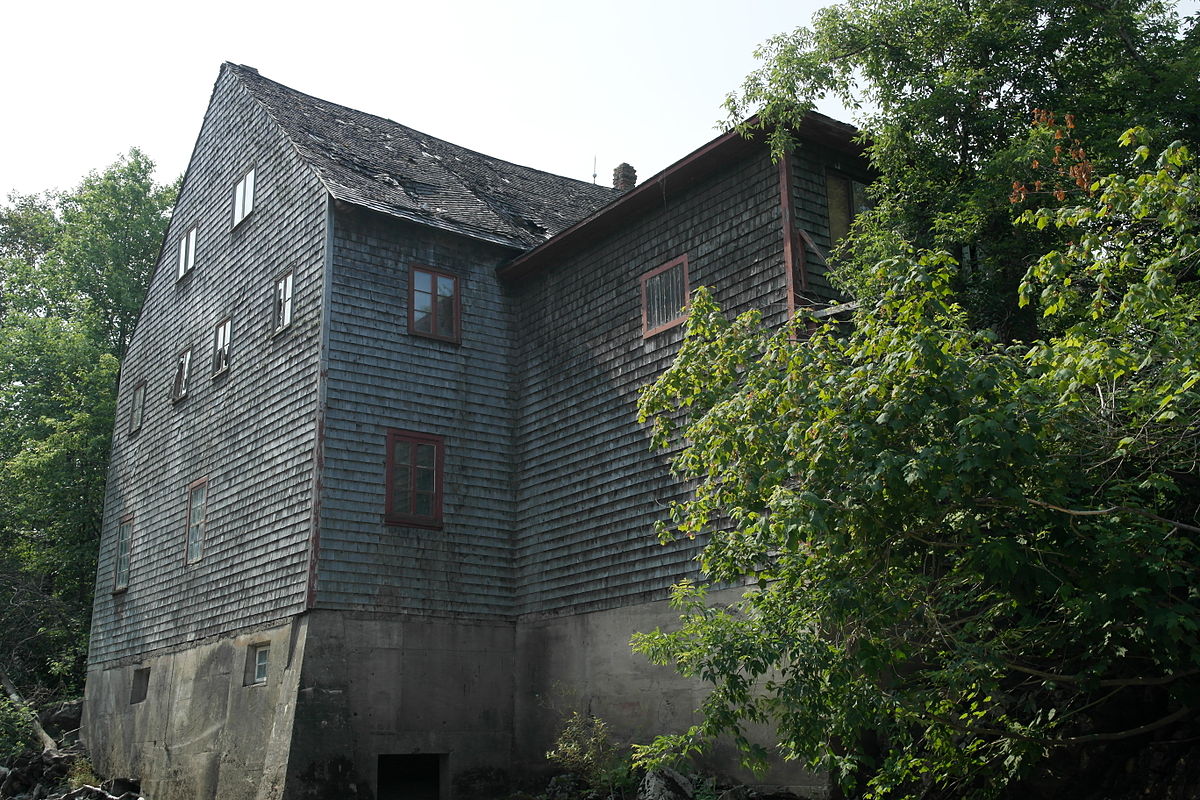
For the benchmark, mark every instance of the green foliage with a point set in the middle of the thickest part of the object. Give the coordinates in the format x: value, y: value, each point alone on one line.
x: 73, y: 270
x: 82, y: 774
x: 947, y: 89
x: 585, y: 749
x: 962, y: 555
x: 14, y: 729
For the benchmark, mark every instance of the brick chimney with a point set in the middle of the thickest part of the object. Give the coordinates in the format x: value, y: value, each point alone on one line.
x: 624, y: 178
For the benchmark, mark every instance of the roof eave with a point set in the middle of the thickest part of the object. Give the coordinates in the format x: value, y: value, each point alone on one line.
x: 691, y: 168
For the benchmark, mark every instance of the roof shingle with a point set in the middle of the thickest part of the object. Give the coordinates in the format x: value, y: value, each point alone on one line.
x: 383, y: 165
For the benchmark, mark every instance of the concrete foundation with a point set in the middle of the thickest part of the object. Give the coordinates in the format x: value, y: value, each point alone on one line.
x: 372, y: 705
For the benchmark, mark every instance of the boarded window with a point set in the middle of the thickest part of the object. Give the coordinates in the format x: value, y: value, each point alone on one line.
x: 137, y: 407
x: 433, y: 304
x: 282, y: 313
x: 243, y: 197
x: 414, y: 479
x: 665, y: 297
x: 197, y: 503
x: 121, y: 558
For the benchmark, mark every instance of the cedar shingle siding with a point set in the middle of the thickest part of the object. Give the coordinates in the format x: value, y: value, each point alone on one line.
x: 386, y: 639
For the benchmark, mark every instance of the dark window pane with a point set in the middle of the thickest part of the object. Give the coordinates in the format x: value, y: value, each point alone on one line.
x: 445, y: 286
x: 423, y: 505
x: 425, y: 455
x: 422, y: 282
x: 424, y: 480
x: 445, y: 316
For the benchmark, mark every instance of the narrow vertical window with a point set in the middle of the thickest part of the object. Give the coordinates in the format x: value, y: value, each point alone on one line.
x: 187, y: 252
x: 137, y: 407
x: 221, y: 334
x: 283, y: 302
x: 846, y: 199
x: 665, y: 297
x: 121, y: 561
x: 141, y: 685
x: 243, y: 197
x: 183, y: 367
x: 197, y: 500
x: 433, y: 304
x: 258, y: 661
x: 414, y: 479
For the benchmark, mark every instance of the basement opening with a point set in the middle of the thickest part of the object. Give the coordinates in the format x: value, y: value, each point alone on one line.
x: 411, y: 776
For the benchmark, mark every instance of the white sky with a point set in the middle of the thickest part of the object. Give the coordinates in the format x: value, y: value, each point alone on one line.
x: 548, y: 84
x: 545, y: 83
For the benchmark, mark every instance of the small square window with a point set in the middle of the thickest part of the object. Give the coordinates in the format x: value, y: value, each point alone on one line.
x: 414, y: 479
x: 433, y: 304
x: 282, y: 313
x: 187, y: 252
x: 137, y: 407
x: 258, y: 662
x: 221, y: 335
x: 183, y: 368
x: 665, y: 296
x: 243, y: 197
x: 197, y: 495
x: 121, y: 562
x: 141, y: 685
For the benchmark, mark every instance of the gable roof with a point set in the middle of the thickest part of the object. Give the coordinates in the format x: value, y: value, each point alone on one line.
x: 382, y: 165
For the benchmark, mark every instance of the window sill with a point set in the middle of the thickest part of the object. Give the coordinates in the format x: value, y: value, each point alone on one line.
x: 666, y: 326
x: 413, y: 522
x: 457, y: 339
x: 120, y: 590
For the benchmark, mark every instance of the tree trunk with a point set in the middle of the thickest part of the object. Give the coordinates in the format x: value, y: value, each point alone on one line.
x: 43, y: 737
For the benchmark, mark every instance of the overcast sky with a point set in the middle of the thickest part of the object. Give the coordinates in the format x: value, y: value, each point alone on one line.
x: 551, y: 85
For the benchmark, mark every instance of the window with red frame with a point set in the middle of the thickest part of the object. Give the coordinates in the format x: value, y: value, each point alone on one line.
x: 433, y: 304
x: 665, y: 298
x: 414, y: 479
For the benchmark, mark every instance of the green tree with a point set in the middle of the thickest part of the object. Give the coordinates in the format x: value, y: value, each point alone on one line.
x: 73, y: 271
x: 965, y: 556
x: 948, y: 89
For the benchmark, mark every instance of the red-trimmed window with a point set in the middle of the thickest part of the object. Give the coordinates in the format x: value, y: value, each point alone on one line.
x: 434, y: 309
x: 414, y: 479
x: 665, y: 296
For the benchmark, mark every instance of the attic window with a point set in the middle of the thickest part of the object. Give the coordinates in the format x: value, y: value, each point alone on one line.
x: 665, y: 297
x: 243, y: 197
x: 433, y: 304
x: 282, y: 312
x: 187, y: 253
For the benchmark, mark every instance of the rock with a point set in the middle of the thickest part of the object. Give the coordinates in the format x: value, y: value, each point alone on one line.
x: 665, y: 784
x: 122, y: 786
x: 62, y: 718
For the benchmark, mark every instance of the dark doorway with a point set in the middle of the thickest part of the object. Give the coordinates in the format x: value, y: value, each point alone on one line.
x: 410, y: 777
